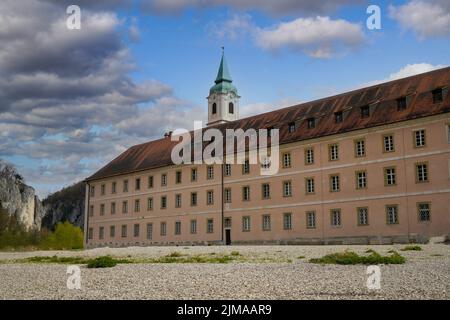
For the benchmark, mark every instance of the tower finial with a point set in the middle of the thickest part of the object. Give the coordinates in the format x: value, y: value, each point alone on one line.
x: 223, y: 50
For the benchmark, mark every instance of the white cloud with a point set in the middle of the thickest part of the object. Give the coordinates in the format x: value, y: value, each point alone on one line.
x: 424, y: 18
x: 252, y: 109
x: 239, y: 25
x: 319, y: 37
x: 407, y: 71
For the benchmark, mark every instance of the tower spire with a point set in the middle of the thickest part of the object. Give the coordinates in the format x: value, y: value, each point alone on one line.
x: 223, y: 74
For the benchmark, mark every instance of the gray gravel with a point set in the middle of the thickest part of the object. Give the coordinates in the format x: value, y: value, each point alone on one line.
x: 426, y: 275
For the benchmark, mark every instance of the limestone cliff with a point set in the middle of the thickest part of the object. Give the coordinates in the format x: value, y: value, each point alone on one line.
x: 19, y: 199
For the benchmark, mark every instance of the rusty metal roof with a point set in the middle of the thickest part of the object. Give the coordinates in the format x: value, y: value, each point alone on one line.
x: 381, y: 100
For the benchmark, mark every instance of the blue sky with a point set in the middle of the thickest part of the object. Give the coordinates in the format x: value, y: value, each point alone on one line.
x: 72, y: 101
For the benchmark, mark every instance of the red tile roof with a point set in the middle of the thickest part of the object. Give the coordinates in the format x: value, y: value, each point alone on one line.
x: 381, y: 98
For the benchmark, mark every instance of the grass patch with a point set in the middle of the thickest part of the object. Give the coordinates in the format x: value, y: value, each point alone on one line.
x: 235, y: 253
x: 102, y: 262
x: 174, y: 254
x: 350, y: 258
x: 56, y: 259
x: 437, y: 255
x: 301, y: 257
x: 412, y: 248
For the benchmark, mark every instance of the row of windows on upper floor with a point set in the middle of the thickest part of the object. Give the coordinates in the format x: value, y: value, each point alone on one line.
x: 361, y: 182
x: 362, y: 218
x: 230, y: 108
x: 402, y: 104
x: 360, y: 150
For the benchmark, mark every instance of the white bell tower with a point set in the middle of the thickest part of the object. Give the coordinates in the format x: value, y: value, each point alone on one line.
x: 223, y: 99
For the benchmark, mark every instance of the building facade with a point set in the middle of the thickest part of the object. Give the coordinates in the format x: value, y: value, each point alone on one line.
x: 368, y: 166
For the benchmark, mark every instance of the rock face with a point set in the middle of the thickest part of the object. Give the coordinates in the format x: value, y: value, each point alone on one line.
x: 65, y: 205
x: 19, y: 199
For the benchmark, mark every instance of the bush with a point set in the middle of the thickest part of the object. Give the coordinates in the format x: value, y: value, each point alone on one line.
x: 66, y: 236
x: 102, y: 262
x: 350, y: 257
x: 412, y: 248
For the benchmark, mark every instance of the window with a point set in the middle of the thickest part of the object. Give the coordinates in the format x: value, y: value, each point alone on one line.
x: 92, y: 191
x: 437, y: 95
x: 361, y: 179
x: 112, y: 231
x: 227, y: 222
x: 209, y: 197
x: 227, y: 169
x: 388, y: 143
x: 136, y: 230
x: 338, y: 117
x: 421, y: 172
x: 287, y: 221
x: 102, y: 209
x: 163, y: 228
x: 137, y: 185
x: 163, y: 202
x: 389, y: 176
x: 178, y: 177
x: 265, y: 191
x: 194, y: 174
x: 124, y: 231
x: 334, y: 183
x: 214, y: 108
x: 178, y: 201
x: 113, y: 208
x: 125, y: 207
x: 246, y: 193
x: 309, y: 156
x: 265, y: 163
x: 101, y: 233
x: 231, y: 108
x: 210, y: 172
x: 266, y: 222
x: 311, y: 123
x: 424, y: 211
x: 392, y: 214
x: 137, y: 205
x: 177, y: 227
x: 419, y: 138
x: 113, y: 187
x: 448, y: 132
x: 193, y: 198
x: 91, y: 233
x: 164, y: 179
x: 149, y: 231
x: 363, y: 216
x: 149, y: 204
x: 125, y: 186
x: 291, y: 127
x: 309, y: 185
x: 193, y: 226
x: 360, y: 148
x: 401, y: 104
x: 365, y: 112
x: 102, y: 189
x: 310, y: 219
x: 209, y: 226
x: 335, y: 217
x: 150, y: 182
x: 287, y: 160
x: 246, y: 223
x: 91, y: 211
x: 287, y: 188
x: 227, y: 195
x: 333, y: 152
x: 246, y: 167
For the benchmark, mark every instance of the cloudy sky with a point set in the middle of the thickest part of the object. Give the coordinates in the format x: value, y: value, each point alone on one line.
x: 71, y: 100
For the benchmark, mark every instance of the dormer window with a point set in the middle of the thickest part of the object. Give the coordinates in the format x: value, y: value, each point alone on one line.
x: 437, y: 95
x: 291, y: 127
x: 338, y: 117
x: 311, y: 123
x: 401, y: 104
x: 365, y: 112
x: 214, y: 108
x: 231, y: 108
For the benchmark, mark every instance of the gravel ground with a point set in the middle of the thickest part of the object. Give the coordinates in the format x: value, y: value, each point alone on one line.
x: 425, y: 275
